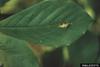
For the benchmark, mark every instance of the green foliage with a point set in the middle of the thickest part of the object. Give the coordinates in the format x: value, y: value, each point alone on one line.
x: 51, y: 23
x: 42, y: 23
x: 16, y: 53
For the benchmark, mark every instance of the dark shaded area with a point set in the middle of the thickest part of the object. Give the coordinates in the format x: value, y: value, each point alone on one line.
x: 2, y: 2
x: 96, y: 6
x: 68, y: 65
x: 53, y: 59
x: 98, y: 55
x: 1, y: 65
x: 3, y: 16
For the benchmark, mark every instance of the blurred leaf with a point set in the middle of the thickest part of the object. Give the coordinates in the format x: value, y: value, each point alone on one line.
x: 65, y: 52
x: 49, y: 23
x: 85, y: 50
x: 16, y: 53
x: 86, y: 4
x: 9, y: 7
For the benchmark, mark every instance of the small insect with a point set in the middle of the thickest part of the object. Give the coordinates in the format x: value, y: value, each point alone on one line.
x: 64, y: 25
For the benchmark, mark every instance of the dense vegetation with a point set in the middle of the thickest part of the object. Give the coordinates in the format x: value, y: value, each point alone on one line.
x: 49, y: 33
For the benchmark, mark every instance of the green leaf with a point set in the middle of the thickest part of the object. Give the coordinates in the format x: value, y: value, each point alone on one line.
x: 16, y: 53
x: 48, y: 23
x: 85, y: 50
